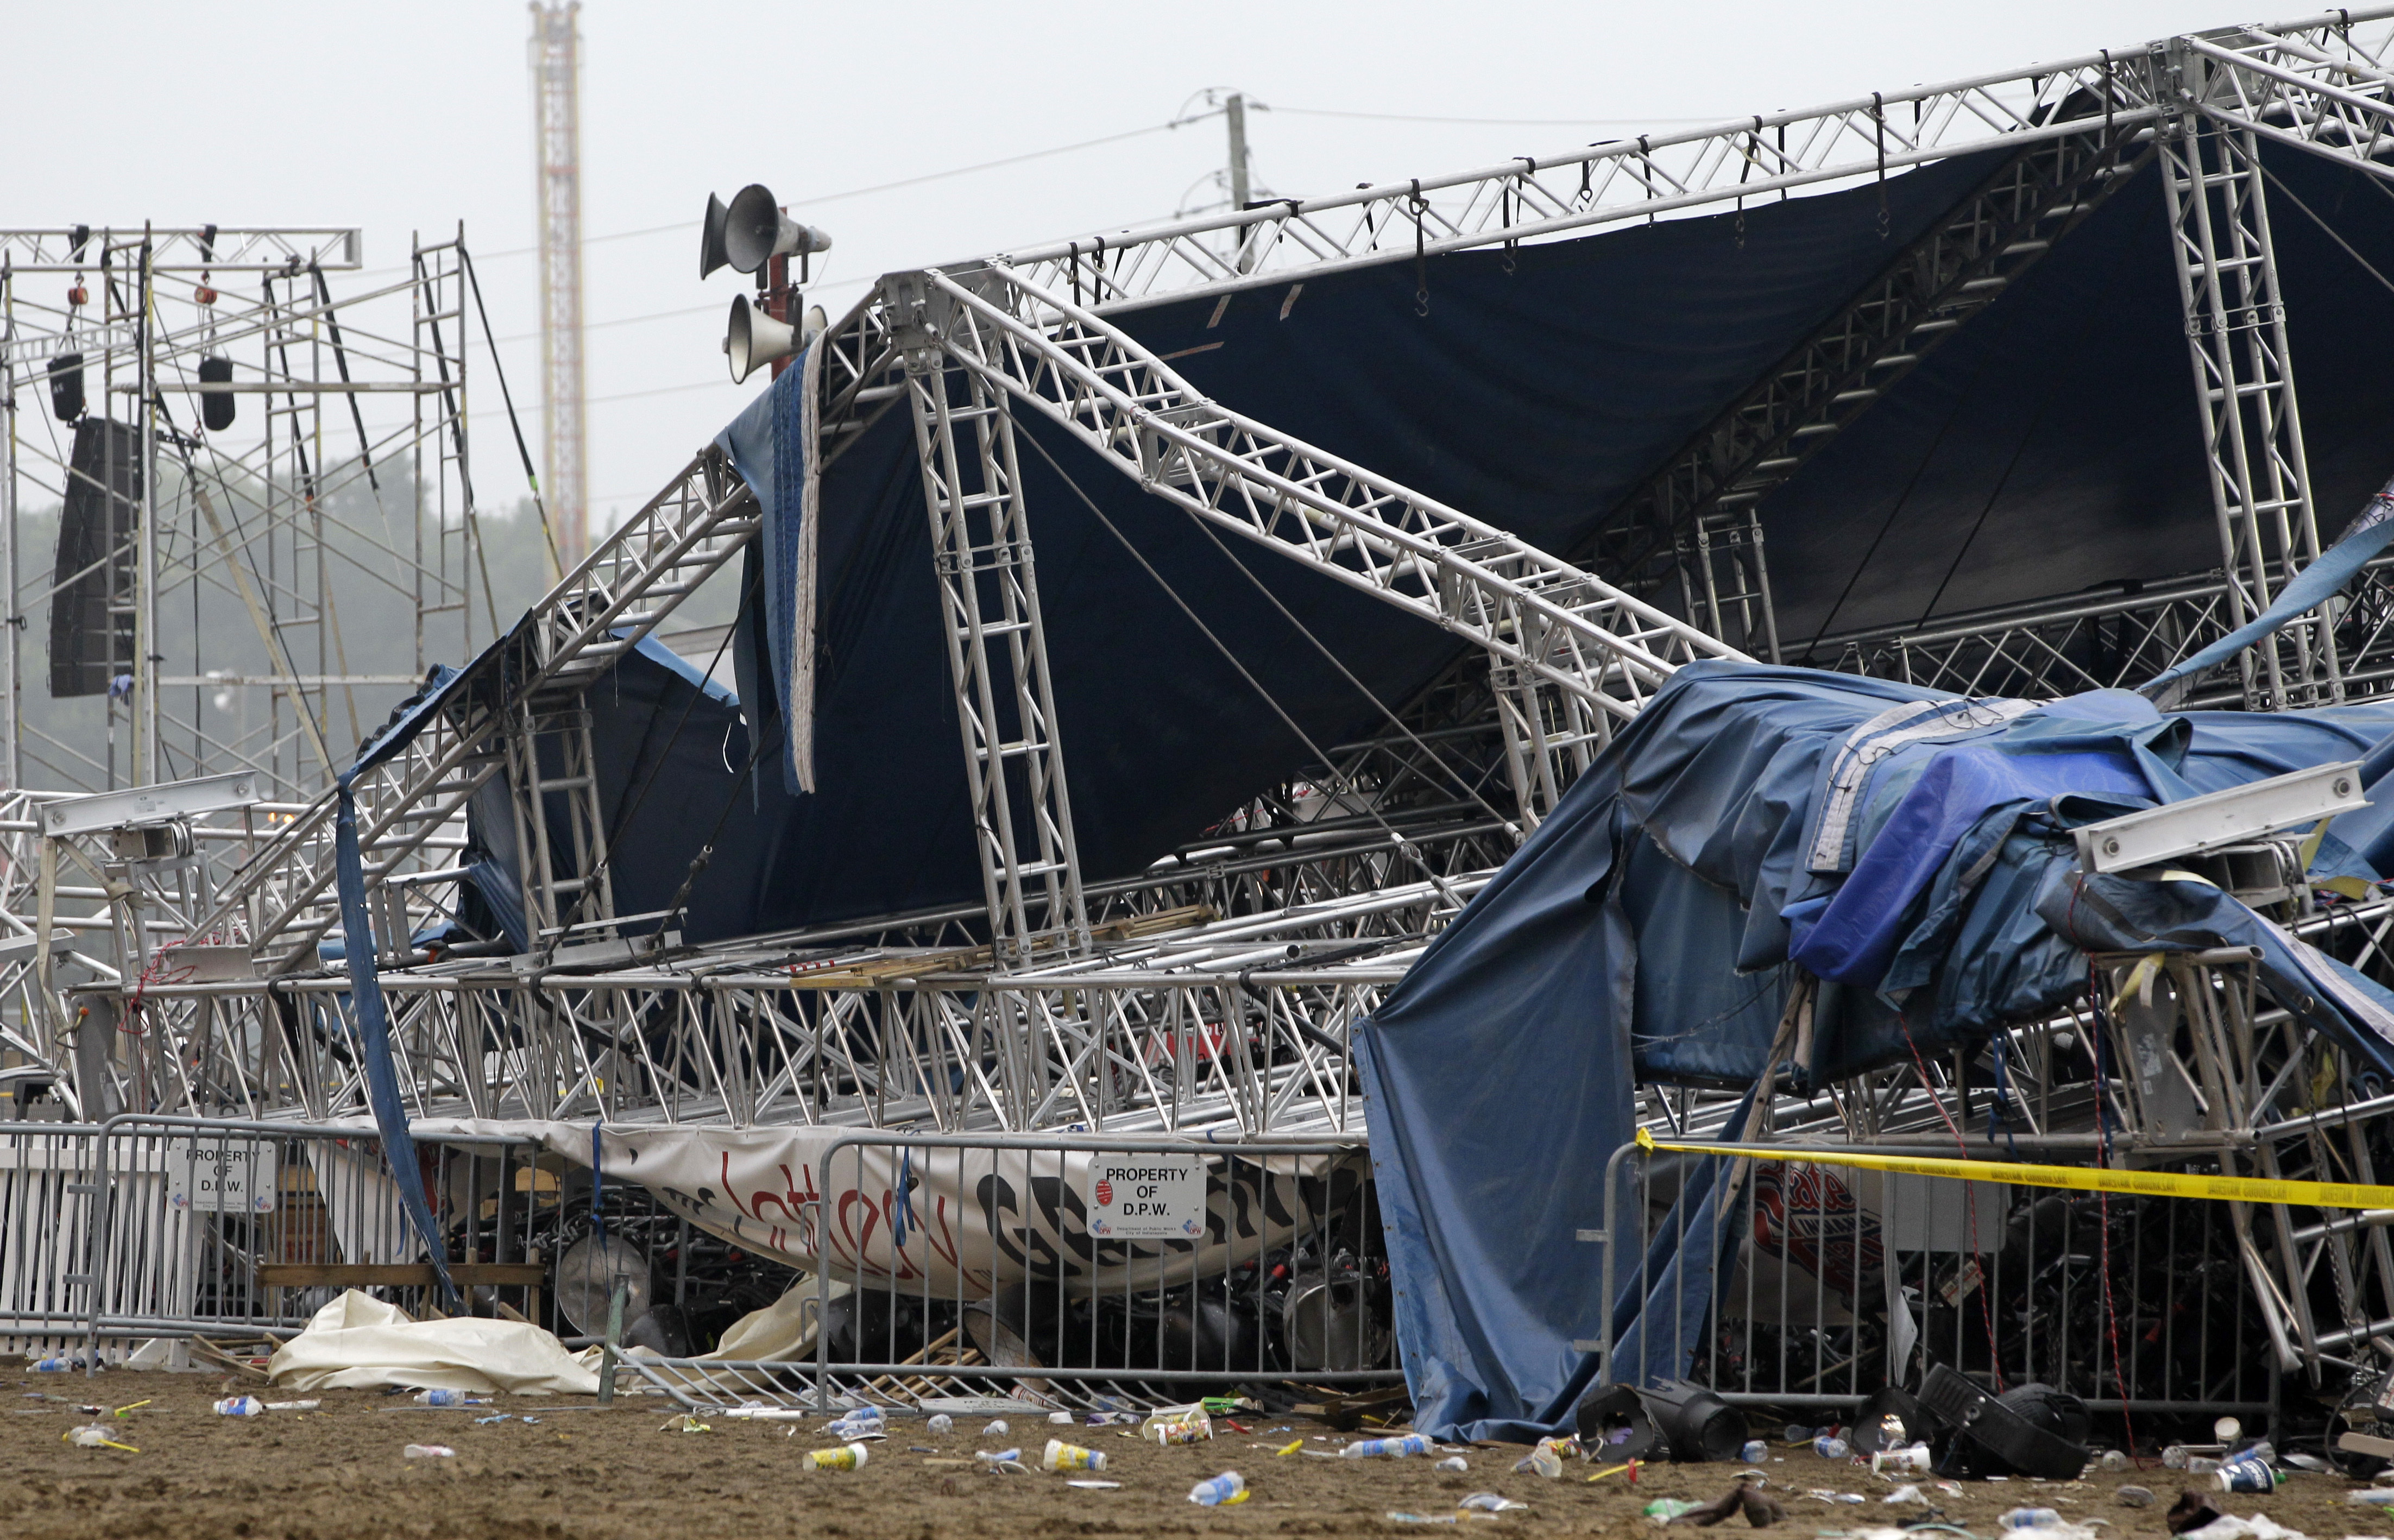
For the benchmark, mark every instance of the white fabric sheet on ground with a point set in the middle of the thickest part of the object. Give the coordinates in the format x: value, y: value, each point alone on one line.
x: 357, y: 1341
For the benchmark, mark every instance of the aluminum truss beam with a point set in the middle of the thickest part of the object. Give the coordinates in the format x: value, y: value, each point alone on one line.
x: 1697, y: 513
x: 1525, y: 607
x: 981, y: 540
x: 634, y: 578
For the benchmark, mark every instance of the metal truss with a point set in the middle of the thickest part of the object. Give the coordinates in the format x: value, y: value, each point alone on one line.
x: 2243, y: 376
x: 523, y: 693
x: 2192, y: 1065
x: 2073, y: 642
x: 1696, y: 513
x: 1520, y: 604
x: 981, y: 540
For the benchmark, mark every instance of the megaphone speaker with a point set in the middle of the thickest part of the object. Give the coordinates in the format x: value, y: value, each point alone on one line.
x: 756, y: 230
x: 755, y: 339
x: 710, y: 241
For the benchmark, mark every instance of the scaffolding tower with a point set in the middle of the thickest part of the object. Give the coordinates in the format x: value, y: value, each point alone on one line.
x: 209, y: 456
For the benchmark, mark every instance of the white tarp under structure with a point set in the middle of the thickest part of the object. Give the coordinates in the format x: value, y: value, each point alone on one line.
x: 971, y: 1221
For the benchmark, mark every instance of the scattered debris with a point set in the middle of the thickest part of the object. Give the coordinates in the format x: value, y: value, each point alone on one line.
x: 95, y: 1437
x: 430, y: 1451
x: 2134, y: 1496
x: 1222, y: 1490
x: 1060, y: 1455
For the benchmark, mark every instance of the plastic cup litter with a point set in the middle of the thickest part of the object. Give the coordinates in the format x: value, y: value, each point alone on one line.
x: 2112, y: 1459
x: 996, y: 1430
x: 848, y: 1457
x: 1196, y: 1430
x: 1452, y: 1462
x: 1219, y: 1491
x: 240, y: 1406
x: 2134, y: 1496
x: 941, y: 1425
x: 429, y: 1451
x: 1754, y: 1452
x: 2247, y: 1475
x: 1060, y: 1455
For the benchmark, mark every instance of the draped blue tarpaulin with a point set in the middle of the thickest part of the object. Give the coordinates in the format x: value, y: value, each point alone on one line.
x: 374, y: 1036
x: 1911, y: 850
x: 2361, y: 544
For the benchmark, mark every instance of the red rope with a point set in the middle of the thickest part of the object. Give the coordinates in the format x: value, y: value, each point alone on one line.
x: 1969, y: 1205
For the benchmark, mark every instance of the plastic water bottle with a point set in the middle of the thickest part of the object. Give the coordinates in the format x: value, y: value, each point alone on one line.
x: 1754, y: 1452
x: 240, y: 1406
x: 2030, y: 1518
x: 58, y: 1365
x: 2114, y: 1460
x: 1003, y: 1456
x: 1795, y: 1432
x: 2201, y: 1465
x: 996, y: 1430
x: 1386, y: 1449
x: 1228, y: 1487
x: 429, y: 1451
x: 1830, y: 1447
x: 941, y: 1425
x: 1452, y: 1462
x: 448, y: 1398
x: 2174, y: 1456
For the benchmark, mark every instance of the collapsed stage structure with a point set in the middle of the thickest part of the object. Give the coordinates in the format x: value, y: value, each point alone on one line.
x: 1365, y: 524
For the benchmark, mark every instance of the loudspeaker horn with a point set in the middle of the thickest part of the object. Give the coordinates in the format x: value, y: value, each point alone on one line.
x: 754, y: 230
x: 755, y: 339
x: 710, y: 240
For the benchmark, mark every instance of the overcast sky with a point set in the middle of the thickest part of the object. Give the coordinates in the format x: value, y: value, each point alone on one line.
x: 412, y: 117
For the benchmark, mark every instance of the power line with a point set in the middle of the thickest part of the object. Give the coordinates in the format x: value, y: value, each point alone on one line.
x: 902, y: 183
x: 1491, y: 123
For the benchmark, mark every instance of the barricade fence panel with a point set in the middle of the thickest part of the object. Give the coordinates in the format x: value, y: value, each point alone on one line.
x: 1073, y: 1273
x: 150, y: 1227
x: 1830, y: 1283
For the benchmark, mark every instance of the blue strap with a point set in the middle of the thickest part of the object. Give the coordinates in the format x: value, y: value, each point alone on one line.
x: 902, y: 1212
x: 373, y: 1040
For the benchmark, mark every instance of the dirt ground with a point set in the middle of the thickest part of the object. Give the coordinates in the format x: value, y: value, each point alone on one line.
x: 338, y: 1473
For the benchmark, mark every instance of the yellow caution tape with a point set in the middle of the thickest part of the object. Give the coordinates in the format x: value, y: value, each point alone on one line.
x: 2078, y: 1178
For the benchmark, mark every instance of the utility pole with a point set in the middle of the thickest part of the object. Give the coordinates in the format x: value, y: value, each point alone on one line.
x: 556, y: 77
x: 1235, y: 111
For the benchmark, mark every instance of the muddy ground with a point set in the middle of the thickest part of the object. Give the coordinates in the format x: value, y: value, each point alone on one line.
x: 339, y: 1474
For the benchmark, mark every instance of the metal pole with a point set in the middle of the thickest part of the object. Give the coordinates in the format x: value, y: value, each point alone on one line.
x: 12, y: 672
x: 1234, y: 112
x: 145, y: 621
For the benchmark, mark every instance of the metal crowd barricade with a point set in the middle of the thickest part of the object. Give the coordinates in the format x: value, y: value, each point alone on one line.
x: 154, y: 1226
x: 1834, y: 1282
x: 1001, y: 1268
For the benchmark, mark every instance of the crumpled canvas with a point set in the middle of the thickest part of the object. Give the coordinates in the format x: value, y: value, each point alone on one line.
x: 357, y: 1341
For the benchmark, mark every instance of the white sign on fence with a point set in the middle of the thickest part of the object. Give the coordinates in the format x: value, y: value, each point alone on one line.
x: 1147, y: 1197
x: 220, y: 1176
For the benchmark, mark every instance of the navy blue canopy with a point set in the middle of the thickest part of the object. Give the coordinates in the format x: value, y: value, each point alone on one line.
x: 1910, y: 849
x: 2052, y: 444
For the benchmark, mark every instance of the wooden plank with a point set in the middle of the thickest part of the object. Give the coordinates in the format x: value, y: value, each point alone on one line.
x: 2364, y: 1444
x: 404, y: 1275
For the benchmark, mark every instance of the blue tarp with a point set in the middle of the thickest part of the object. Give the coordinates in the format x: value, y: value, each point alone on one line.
x: 1908, y: 848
